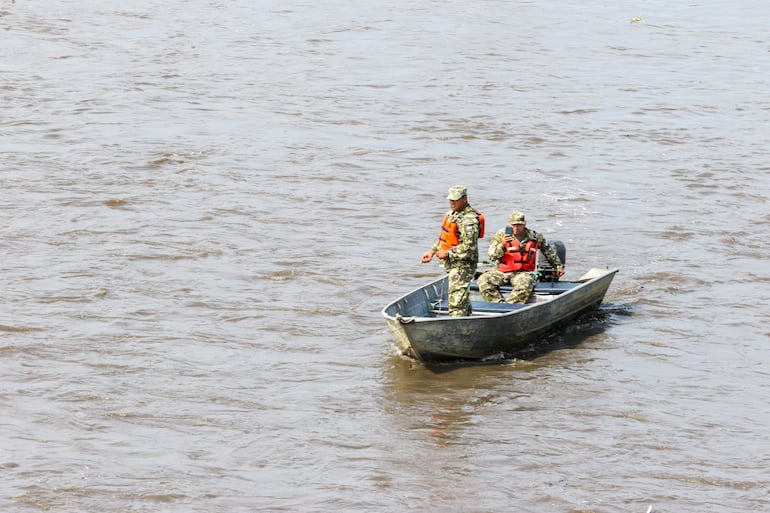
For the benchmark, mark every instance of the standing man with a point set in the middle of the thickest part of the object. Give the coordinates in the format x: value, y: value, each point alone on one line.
x: 458, y: 249
x: 515, y: 249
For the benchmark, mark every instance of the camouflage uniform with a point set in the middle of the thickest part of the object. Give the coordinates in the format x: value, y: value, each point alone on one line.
x: 523, y: 282
x: 461, y: 261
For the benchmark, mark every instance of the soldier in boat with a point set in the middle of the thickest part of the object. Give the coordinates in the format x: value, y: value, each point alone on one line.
x: 457, y: 247
x: 515, y: 248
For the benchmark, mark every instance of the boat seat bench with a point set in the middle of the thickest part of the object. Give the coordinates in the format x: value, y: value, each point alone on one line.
x: 538, y: 289
x: 478, y: 307
x: 485, y: 307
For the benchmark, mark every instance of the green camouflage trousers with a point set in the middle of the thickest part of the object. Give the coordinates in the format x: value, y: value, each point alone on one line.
x: 523, y: 284
x: 459, y: 294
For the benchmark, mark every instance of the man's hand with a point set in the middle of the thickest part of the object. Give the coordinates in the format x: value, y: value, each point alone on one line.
x: 427, y: 256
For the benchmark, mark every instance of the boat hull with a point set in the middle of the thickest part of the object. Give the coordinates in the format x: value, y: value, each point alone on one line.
x: 422, y: 334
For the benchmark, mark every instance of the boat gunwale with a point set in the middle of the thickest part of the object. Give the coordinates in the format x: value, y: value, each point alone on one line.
x: 567, y: 292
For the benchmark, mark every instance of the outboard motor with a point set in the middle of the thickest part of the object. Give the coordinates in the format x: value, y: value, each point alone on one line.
x: 546, y: 272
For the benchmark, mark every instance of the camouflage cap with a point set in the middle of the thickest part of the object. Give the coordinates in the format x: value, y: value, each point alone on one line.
x: 517, y: 218
x: 457, y: 192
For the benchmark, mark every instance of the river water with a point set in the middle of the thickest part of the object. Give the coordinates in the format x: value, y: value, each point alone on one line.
x: 206, y: 204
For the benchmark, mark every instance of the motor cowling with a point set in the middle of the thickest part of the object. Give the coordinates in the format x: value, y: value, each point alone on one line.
x: 546, y: 272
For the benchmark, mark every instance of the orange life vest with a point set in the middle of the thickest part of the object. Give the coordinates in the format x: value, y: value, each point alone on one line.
x: 449, y: 236
x: 518, y: 258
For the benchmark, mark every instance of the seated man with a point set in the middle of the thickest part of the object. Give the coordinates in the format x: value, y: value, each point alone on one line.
x: 515, y: 249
